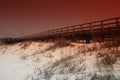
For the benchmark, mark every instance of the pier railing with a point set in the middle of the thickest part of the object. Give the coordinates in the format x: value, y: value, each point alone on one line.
x: 102, y: 25
x: 96, y: 28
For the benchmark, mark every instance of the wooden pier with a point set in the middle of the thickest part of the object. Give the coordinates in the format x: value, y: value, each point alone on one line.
x: 96, y: 31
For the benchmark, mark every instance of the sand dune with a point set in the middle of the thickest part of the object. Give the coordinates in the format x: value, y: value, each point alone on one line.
x: 32, y: 60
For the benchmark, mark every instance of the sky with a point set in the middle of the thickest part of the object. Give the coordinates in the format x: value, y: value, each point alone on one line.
x: 24, y: 17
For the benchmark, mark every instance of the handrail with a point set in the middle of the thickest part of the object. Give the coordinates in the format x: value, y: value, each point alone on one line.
x: 91, y: 26
x: 61, y: 30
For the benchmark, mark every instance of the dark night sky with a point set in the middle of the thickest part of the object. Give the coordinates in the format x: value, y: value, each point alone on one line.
x: 22, y: 17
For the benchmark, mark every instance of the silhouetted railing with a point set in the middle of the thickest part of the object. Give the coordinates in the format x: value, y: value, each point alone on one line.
x: 90, y: 28
x: 101, y: 25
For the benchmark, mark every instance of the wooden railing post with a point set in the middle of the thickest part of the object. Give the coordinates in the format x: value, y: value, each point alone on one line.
x: 101, y: 26
x: 67, y: 30
x: 91, y: 31
x: 117, y: 25
x: 81, y: 28
x: 73, y: 29
x: 102, y: 35
x: 90, y: 25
